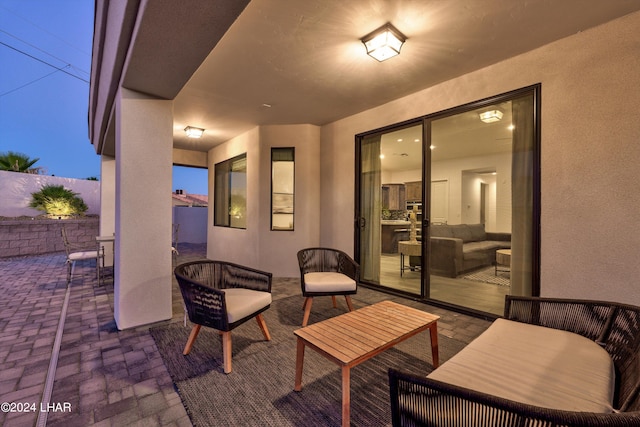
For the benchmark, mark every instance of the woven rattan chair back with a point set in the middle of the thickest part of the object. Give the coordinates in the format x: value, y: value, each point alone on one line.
x: 326, y: 260
x: 203, y: 284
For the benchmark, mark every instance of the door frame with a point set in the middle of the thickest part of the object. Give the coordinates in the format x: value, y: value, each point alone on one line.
x: 426, y: 120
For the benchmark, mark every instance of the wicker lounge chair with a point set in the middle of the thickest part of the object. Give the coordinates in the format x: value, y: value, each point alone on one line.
x: 326, y: 272
x: 222, y: 296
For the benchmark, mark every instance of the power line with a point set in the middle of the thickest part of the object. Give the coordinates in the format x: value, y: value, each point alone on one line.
x: 46, y: 31
x: 27, y: 84
x: 41, y: 50
x: 45, y: 62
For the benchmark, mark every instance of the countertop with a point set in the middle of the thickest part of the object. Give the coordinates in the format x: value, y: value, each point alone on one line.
x: 395, y: 222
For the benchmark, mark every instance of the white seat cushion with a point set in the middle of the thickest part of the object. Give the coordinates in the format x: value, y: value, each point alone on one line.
x: 532, y: 364
x: 75, y: 256
x: 328, y: 282
x: 244, y: 302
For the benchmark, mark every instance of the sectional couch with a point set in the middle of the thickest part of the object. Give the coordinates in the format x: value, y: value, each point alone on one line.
x: 459, y: 248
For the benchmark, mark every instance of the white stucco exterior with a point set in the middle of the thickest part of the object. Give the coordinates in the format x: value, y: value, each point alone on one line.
x: 258, y: 245
x: 142, y: 281
x: 589, y: 156
x: 589, y: 175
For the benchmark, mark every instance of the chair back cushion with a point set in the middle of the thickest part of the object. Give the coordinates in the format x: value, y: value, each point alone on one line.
x: 441, y: 231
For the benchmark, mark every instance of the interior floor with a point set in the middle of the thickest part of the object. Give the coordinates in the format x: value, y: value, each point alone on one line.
x: 487, y: 297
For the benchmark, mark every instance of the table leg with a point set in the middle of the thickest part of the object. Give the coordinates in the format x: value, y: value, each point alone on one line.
x: 433, y: 331
x: 299, y: 364
x: 346, y: 397
x: 401, y: 263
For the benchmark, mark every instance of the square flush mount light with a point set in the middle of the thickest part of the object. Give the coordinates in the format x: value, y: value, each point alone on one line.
x: 384, y: 43
x: 193, y: 132
x: 491, y: 116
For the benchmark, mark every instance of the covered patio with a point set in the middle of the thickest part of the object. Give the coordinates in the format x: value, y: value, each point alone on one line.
x: 253, y: 76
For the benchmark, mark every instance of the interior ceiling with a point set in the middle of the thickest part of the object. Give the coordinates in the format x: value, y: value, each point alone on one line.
x: 452, y: 137
x: 290, y: 62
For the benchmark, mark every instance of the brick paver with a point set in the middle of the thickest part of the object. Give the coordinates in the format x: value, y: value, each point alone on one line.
x: 103, y: 376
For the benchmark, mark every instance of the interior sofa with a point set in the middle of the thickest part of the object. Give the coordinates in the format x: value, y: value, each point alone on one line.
x: 548, y: 362
x: 459, y: 248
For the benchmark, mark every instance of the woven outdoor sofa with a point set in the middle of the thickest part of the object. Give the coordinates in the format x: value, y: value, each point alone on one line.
x: 549, y: 362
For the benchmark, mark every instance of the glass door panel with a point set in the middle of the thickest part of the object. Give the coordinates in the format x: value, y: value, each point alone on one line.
x: 480, y: 243
x: 370, y: 209
x: 390, y: 209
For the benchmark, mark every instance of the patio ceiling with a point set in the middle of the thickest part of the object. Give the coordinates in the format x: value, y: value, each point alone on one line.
x: 289, y: 62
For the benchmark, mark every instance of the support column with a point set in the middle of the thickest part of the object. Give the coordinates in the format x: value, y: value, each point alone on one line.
x: 107, y: 203
x: 144, y: 143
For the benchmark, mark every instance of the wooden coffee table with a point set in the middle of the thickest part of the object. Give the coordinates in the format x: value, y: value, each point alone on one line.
x: 352, y: 338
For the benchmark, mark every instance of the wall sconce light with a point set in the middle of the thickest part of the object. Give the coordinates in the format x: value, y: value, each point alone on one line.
x: 193, y: 132
x: 384, y: 43
x: 491, y: 116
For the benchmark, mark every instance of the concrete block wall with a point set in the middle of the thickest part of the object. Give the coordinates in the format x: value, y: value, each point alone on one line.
x: 40, y: 236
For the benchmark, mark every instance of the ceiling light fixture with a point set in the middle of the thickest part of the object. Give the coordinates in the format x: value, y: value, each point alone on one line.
x: 384, y: 43
x: 491, y: 116
x: 193, y: 132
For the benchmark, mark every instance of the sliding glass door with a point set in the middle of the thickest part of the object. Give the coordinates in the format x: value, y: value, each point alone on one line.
x: 470, y: 236
x: 371, y: 209
x: 389, y: 206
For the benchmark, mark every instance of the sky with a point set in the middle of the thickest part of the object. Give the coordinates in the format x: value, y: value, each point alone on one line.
x: 45, y: 65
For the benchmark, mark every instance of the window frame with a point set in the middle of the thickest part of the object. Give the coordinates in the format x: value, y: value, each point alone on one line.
x: 286, y: 205
x: 224, y: 192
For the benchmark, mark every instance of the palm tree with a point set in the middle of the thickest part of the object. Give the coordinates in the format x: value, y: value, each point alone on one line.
x: 18, y: 162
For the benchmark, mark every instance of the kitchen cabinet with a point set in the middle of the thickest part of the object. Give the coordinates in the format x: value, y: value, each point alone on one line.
x: 393, y: 197
x: 413, y: 191
x: 392, y: 233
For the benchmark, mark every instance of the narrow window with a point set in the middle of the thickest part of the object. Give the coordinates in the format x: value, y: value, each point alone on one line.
x: 230, y: 207
x: 282, y: 188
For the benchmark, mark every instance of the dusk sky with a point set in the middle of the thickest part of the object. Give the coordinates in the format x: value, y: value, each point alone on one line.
x: 45, y: 64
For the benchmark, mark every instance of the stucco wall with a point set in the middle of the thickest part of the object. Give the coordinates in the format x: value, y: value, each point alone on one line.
x: 279, y: 249
x: 16, y: 189
x: 258, y: 246
x: 193, y: 224
x: 233, y: 244
x: 189, y: 157
x: 590, y: 152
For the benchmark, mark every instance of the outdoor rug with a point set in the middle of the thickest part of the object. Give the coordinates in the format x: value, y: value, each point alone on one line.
x: 488, y: 275
x: 259, y: 390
